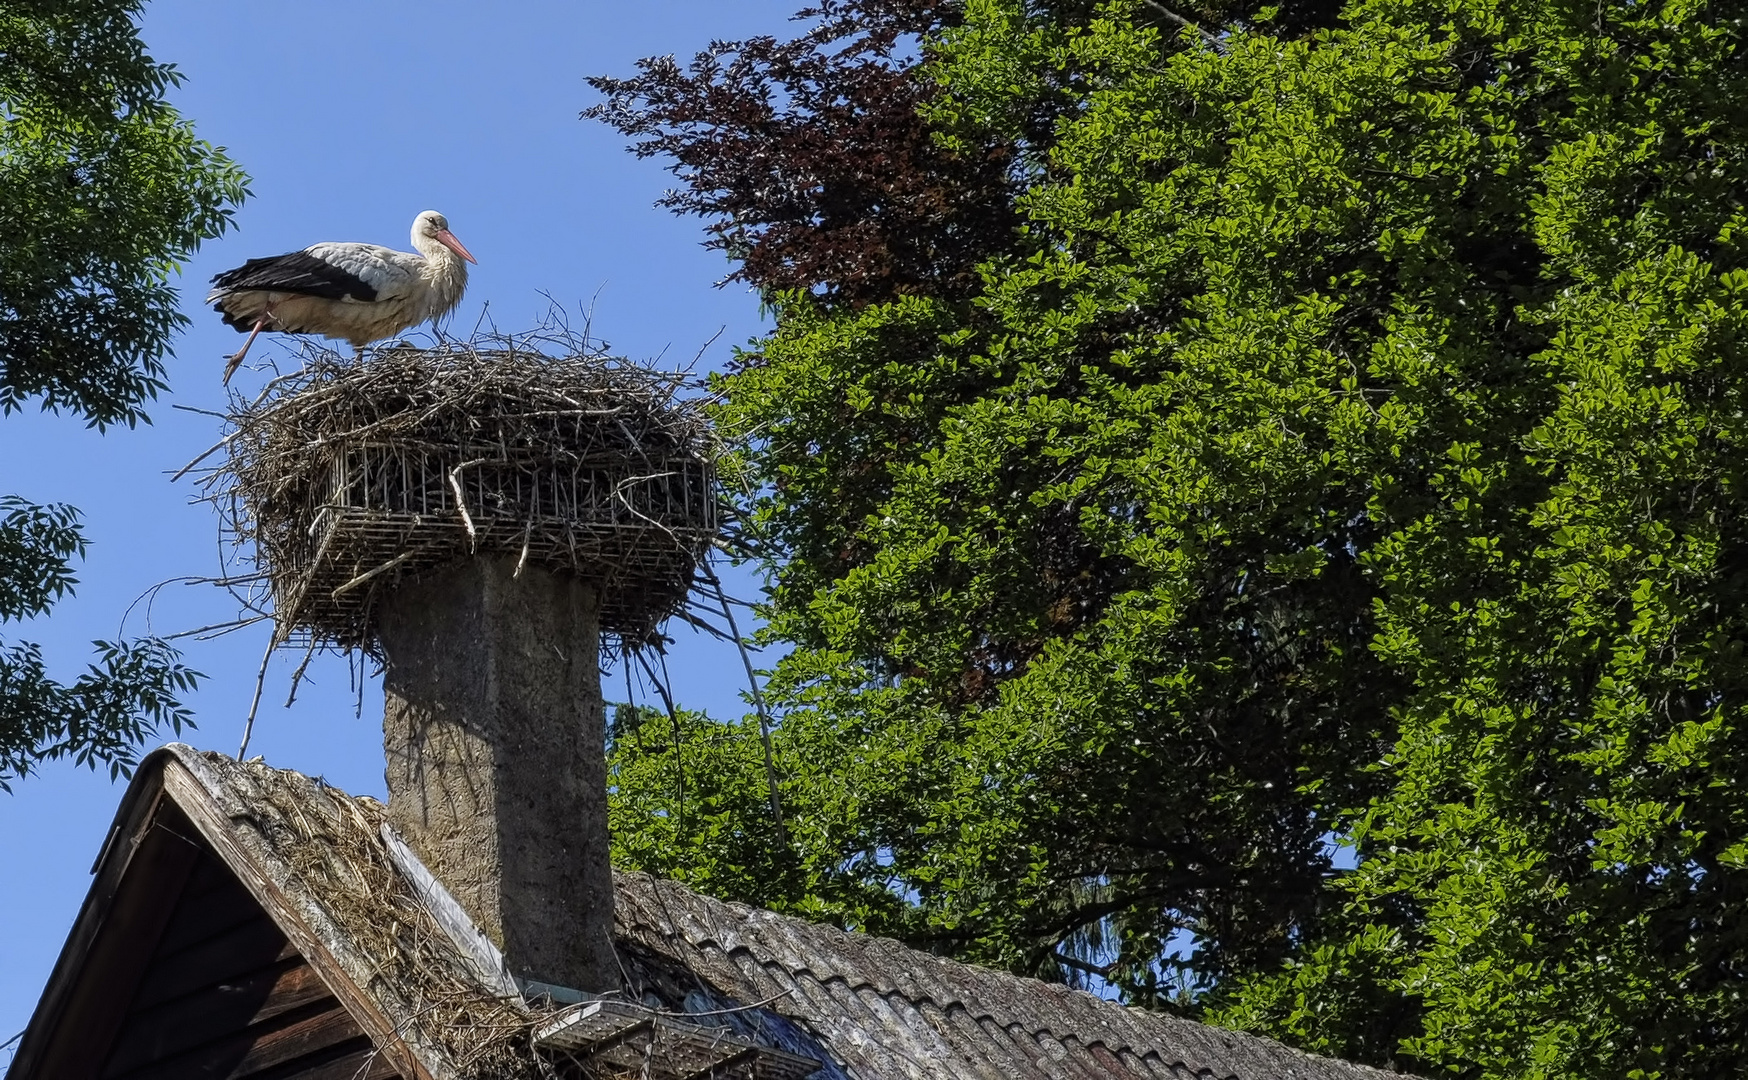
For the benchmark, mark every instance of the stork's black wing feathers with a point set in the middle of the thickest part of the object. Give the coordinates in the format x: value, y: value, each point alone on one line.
x: 296, y: 272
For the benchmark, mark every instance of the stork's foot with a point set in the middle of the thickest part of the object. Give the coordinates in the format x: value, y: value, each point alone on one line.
x: 231, y: 367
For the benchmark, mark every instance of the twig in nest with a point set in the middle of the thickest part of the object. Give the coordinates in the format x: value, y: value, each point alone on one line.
x: 461, y: 502
x: 368, y: 574
x: 522, y: 559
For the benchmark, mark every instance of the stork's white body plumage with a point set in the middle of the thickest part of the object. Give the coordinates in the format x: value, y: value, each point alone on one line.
x: 355, y: 292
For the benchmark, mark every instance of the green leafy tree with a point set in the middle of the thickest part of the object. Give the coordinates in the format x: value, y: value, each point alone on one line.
x: 1343, y: 448
x: 103, y: 189
x: 894, y: 706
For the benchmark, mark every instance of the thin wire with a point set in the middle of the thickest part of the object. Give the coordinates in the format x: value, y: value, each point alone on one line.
x: 758, y: 699
x: 679, y: 742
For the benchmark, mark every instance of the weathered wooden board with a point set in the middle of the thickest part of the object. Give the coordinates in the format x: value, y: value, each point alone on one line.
x: 215, y: 1012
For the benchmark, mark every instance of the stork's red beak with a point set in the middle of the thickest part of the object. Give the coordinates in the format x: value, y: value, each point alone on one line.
x: 448, y: 240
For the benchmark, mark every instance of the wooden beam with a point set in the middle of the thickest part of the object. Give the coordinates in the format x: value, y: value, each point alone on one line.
x: 217, y: 1012
x: 207, y: 909
x: 252, y: 1051
x: 365, y: 1064
x: 230, y: 955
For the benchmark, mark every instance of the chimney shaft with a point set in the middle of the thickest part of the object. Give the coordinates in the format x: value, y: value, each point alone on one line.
x: 494, y: 735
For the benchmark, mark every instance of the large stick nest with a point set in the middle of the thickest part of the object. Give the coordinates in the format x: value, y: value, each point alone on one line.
x: 347, y: 478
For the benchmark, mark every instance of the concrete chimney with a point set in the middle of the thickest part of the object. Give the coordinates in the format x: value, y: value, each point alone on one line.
x: 494, y: 735
x: 478, y: 517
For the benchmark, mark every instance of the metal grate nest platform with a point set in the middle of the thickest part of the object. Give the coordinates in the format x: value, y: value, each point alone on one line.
x: 347, y: 478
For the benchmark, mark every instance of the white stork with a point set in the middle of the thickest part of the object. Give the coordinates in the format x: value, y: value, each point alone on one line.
x: 359, y: 292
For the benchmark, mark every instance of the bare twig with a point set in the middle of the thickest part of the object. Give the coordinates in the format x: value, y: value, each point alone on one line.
x: 702, y: 624
x: 661, y: 689
x: 223, y: 627
x: 749, y: 1007
x: 255, y: 702
x: 297, y: 676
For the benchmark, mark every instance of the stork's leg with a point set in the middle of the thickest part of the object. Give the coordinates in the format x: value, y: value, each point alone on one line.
x: 237, y: 357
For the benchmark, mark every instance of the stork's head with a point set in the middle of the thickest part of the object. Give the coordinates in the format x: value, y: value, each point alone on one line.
x: 430, y: 226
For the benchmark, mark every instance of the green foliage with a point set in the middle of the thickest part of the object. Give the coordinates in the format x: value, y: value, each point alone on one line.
x: 681, y: 790
x: 103, y: 189
x: 1349, y: 445
x: 130, y: 692
x: 688, y: 799
x: 100, y: 718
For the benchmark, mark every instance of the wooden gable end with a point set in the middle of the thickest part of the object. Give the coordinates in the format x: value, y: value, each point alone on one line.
x: 175, y: 972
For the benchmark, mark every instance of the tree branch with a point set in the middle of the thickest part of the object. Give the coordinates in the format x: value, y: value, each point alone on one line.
x: 1103, y: 972
x: 1171, y: 16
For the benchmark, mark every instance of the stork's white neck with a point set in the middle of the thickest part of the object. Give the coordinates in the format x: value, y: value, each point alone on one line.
x: 447, y: 273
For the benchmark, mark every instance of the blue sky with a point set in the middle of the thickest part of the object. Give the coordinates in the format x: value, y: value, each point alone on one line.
x: 350, y: 118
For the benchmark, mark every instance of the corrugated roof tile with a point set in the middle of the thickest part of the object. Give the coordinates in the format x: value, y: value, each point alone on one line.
x: 985, y: 1032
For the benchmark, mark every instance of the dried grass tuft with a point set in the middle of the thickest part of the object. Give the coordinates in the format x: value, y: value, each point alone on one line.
x: 345, y: 478
x: 331, y: 847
